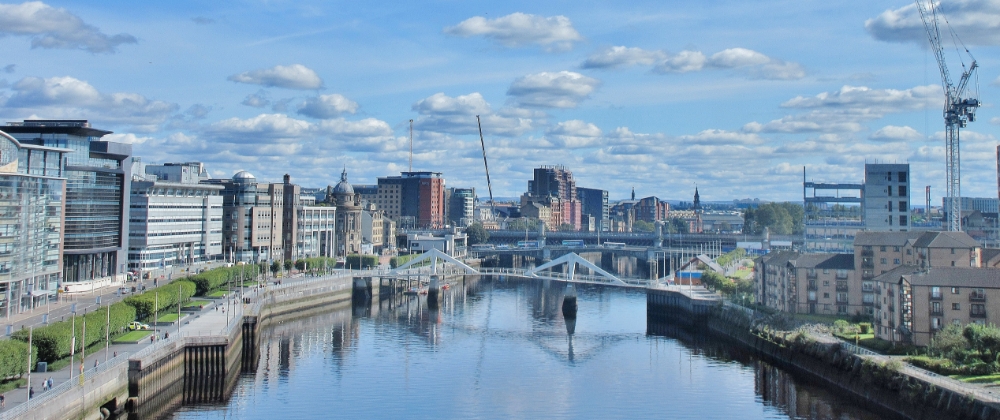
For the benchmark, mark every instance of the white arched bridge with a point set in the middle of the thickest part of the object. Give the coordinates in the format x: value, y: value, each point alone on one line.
x: 569, y: 262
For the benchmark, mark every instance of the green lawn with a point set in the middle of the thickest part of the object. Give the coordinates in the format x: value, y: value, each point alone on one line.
x: 850, y: 337
x: 167, y: 318
x: 981, y: 379
x: 218, y: 294
x: 135, y: 335
x: 61, y: 363
x: 818, y: 318
x: 195, y: 304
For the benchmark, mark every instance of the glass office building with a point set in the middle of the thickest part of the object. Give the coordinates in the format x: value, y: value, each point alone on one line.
x: 96, y: 204
x: 32, y: 196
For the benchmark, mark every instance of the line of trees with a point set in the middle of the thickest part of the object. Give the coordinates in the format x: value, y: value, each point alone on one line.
x: 778, y: 218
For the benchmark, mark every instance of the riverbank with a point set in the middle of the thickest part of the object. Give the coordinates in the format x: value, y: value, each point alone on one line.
x: 878, y: 383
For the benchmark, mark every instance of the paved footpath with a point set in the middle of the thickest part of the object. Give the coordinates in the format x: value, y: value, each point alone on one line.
x: 209, y: 321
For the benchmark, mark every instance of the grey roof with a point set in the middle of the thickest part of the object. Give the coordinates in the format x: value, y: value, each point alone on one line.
x: 956, y: 277
x: 892, y: 276
x: 991, y: 255
x: 243, y: 175
x: 779, y: 258
x: 869, y: 238
x: 828, y: 261
x: 343, y: 187
x: 945, y: 240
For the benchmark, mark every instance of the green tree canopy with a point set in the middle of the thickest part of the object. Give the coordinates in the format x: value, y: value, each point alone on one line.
x: 778, y: 218
x: 477, y: 234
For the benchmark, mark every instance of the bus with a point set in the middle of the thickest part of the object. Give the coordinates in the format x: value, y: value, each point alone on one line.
x: 482, y: 247
x: 614, y: 245
x: 573, y: 243
x: 528, y: 244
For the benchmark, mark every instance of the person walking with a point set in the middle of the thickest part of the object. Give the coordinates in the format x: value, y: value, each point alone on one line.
x: 31, y: 393
x: 50, y: 382
x: 3, y: 401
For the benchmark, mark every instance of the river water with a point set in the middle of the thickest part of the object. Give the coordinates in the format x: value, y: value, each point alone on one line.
x: 500, y: 348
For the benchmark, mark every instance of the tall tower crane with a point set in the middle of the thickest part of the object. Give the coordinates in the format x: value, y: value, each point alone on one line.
x: 958, y: 111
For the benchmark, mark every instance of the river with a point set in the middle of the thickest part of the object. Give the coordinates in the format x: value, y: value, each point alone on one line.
x: 499, y: 349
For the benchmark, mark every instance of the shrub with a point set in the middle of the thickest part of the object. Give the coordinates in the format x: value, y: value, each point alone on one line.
x: 14, y: 358
x: 52, y: 342
x: 160, y: 298
x: 400, y: 260
x: 361, y: 261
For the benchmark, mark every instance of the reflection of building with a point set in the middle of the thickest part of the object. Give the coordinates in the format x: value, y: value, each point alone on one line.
x: 32, y: 194
x: 98, y: 175
x: 348, y: 217
x: 172, y: 218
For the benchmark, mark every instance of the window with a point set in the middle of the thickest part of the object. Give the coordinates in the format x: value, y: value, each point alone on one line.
x: 812, y: 295
x: 895, y: 261
x: 841, y: 309
x: 826, y: 283
x: 936, y: 307
x: 902, y: 206
x: 890, y: 206
x: 902, y: 177
x: 895, y: 249
x: 953, y: 250
x: 882, y: 248
x: 902, y: 220
x: 902, y: 190
x: 956, y: 306
x: 882, y: 261
x: 935, y: 323
x: 826, y: 295
x: 935, y: 292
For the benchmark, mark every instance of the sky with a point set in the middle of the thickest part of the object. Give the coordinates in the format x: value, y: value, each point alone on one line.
x: 733, y: 97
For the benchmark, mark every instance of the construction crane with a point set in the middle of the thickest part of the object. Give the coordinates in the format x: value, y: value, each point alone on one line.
x: 958, y: 112
x: 489, y: 186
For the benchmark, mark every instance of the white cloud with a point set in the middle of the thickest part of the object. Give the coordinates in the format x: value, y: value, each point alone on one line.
x: 896, y: 133
x: 262, y: 128
x: 564, y: 89
x: 995, y: 120
x: 777, y: 70
x: 817, y: 121
x: 995, y: 82
x: 682, y: 62
x: 257, y: 100
x: 49, y: 27
x: 441, y: 104
x: 68, y: 97
x: 295, y: 76
x: 976, y: 21
x: 613, y: 57
x: 519, y: 29
x: 129, y: 138
x: 327, y: 106
x: 737, y: 57
x: 574, y: 134
x: 880, y: 100
x: 722, y: 137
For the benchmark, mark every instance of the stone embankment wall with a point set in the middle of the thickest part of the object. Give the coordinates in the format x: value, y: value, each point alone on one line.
x: 869, y: 382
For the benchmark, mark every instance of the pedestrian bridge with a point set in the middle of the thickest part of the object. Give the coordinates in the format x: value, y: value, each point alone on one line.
x: 569, y: 263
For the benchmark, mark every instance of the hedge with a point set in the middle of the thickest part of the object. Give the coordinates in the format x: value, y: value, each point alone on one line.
x: 161, y: 298
x: 360, y: 261
x: 53, y: 341
x: 216, y: 278
x: 14, y: 358
x: 315, y: 263
x: 400, y: 260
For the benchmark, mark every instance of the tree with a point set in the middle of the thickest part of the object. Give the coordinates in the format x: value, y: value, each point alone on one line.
x: 275, y: 267
x: 524, y: 223
x: 477, y: 234
x: 678, y: 225
x: 778, y: 218
x: 566, y: 227
x: 643, y: 226
x: 288, y: 264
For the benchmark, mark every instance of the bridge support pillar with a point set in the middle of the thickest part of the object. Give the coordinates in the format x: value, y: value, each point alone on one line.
x: 608, y: 261
x: 362, y: 291
x: 433, y: 291
x: 569, y: 306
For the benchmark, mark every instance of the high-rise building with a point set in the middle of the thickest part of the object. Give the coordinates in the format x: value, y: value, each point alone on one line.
x: 413, y: 199
x: 308, y: 230
x: 32, y: 199
x: 252, y: 218
x: 554, y: 187
x: 173, y: 219
x: 594, y: 202
x: 887, y: 197
x: 98, y: 177
x: 461, y: 206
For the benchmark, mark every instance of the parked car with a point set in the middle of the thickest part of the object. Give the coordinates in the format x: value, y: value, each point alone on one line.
x: 136, y: 325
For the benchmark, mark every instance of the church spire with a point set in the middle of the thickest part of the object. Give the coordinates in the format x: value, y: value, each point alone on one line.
x: 697, y: 199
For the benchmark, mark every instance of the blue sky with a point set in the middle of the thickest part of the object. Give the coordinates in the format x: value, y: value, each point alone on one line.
x: 734, y: 97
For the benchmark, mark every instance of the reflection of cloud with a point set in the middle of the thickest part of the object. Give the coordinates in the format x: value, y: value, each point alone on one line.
x: 519, y: 29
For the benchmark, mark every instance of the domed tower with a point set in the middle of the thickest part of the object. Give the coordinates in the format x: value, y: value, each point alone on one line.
x: 348, y: 227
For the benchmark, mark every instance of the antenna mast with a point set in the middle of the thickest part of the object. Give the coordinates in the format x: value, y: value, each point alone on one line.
x: 411, y: 145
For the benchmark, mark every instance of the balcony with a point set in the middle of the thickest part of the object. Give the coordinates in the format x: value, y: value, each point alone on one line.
x: 812, y: 276
x: 977, y: 297
x: 812, y: 286
x: 841, y: 286
x: 867, y: 254
x: 977, y: 314
x: 937, y: 311
x: 936, y: 296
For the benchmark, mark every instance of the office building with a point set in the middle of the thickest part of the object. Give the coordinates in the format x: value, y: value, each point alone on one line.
x: 252, y: 215
x: 594, y: 202
x: 98, y: 174
x: 32, y: 200
x: 173, y: 219
x: 413, y: 199
x: 307, y: 230
x: 555, y: 188
x: 461, y: 206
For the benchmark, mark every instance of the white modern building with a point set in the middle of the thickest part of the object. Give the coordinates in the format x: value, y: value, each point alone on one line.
x: 174, y: 222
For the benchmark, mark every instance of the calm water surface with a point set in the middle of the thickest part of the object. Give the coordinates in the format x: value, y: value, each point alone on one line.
x: 501, y: 349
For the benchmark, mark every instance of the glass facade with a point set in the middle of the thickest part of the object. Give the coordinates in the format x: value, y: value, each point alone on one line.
x: 97, y: 177
x: 32, y: 199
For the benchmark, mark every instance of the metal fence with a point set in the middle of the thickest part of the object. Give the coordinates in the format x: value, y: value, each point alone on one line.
x: 73, y: 383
